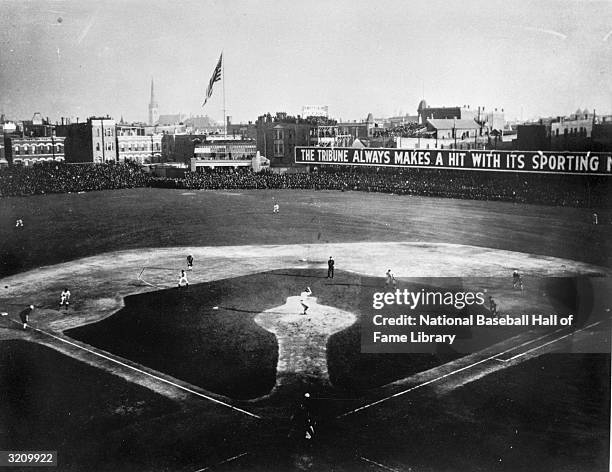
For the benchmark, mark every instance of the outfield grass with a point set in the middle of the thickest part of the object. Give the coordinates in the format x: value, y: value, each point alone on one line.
x: 64, y: 227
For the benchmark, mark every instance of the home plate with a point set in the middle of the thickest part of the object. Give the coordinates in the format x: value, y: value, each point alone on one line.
x: 215, y: 307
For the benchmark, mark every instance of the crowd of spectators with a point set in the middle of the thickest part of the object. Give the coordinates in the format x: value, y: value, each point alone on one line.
x: 550, y: 189
x: 58, y: 177
x: 558, y: 190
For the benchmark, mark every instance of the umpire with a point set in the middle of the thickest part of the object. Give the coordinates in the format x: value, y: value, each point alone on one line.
x: 330, y: 268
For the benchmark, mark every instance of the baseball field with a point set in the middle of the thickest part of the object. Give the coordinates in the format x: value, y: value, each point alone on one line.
x: 140, y: 374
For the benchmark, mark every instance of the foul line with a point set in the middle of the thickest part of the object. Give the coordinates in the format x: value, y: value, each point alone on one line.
x: 223, y: 462
x: 376, y: 463
x: 150, y: 284
x: 553, y: 341
x: 462, y: 369
x: 524, y: 344
x: 143, y: 372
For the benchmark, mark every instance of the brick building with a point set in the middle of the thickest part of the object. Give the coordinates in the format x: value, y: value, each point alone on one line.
x: 90, y: 141
x: 134, y: 145
x: 27, y: 150
x: 277, y: 136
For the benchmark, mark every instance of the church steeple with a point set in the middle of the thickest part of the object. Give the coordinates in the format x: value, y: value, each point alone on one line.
x: 153, y: 111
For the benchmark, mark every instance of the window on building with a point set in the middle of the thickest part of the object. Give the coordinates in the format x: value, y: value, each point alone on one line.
x: 279, y: 149
x: 97, y: 146
x: 279, y: 134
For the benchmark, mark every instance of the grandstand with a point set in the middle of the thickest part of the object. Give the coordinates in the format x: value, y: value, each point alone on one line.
x: 549, y: 189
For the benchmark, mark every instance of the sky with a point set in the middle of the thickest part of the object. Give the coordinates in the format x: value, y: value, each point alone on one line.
x: 78, y: 58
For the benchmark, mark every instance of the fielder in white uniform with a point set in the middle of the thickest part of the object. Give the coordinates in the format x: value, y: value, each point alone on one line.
x: 65, y: 298
x: 304, y: 298
x: 183, y: 279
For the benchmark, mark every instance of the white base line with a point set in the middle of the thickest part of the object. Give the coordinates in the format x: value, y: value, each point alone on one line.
x: 143, y: 372
x: 223, y: 462
x: 460, y: 370
x: 377, y: 464
x: 531, y: 341
x: 150, y: 284
x: 554, y: 340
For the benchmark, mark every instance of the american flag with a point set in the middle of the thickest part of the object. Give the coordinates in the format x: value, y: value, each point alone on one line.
x: 216, y: 77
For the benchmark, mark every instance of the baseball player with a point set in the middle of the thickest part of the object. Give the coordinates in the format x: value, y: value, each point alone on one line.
x: 65, y: 298
x: 183, y: 279
x: 24, y: 316
x: 517, y: 280
x: 303, y: 298
x: 302, y: 420
x: 189, y: 262
x: 492, y: 306
x: 275, y: 208
x: 390, y: 279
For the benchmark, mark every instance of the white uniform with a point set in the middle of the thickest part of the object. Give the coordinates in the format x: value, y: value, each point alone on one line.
x: 304, y: 298
x: 276, y: 207
x: 65, y: 298
x: 183, y: 279
x: 390, y: 279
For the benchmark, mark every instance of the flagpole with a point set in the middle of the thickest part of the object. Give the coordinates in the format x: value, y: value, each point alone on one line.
x: 224, y: 111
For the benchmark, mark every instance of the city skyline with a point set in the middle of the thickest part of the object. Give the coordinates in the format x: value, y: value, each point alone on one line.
x: 68, y: 58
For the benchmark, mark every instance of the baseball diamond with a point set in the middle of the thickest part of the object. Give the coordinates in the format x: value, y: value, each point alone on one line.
x: 224, y: 360
x: 341, y: 236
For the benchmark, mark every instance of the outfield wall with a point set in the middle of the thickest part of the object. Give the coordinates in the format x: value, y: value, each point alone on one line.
x: 581, y: 163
